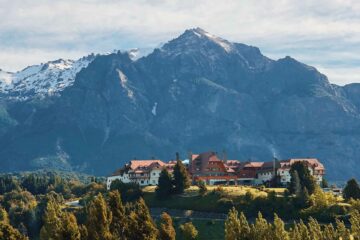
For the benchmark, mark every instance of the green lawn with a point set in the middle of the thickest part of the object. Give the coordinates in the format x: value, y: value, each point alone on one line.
x: 208, y: 230
x: 198, y: 203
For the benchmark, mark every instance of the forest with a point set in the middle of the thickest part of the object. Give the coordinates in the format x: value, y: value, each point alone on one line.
x: 35, y: 205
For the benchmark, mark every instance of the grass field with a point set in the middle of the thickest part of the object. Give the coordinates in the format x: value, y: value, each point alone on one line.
x: 209, y: 202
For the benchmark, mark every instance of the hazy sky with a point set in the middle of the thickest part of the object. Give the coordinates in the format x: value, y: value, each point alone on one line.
x: 322, y: 33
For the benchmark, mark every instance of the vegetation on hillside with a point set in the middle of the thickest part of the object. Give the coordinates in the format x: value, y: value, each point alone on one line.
x: 49, y: 205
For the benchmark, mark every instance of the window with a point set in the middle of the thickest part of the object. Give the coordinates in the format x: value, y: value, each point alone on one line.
x: 141, y: 181
x: 154, y: 174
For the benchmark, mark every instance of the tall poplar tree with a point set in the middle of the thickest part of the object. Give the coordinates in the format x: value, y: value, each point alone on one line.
x: 141, y: 225
x: 53, y: 224
x: 166, y: 229
x: 119, y: 221
x: 98, y: 220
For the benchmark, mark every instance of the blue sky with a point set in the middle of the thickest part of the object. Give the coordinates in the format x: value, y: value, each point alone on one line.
x: 321, y: 33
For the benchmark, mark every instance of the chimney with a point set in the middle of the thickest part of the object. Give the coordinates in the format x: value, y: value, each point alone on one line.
x: 224, y: 157
x: 190, y: 159
x: 177, y: 156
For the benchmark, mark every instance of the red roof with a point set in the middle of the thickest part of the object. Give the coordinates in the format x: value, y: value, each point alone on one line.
x: 314, y: 163
x: 134, y: 164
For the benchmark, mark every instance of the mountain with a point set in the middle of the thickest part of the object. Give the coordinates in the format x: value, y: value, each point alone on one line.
x: 196, y: 92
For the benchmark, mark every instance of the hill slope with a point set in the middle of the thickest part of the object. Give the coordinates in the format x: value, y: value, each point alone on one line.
x: 197, y: 92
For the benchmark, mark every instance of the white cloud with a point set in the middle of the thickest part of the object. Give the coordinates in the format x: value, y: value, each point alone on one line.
x: 278, y: 27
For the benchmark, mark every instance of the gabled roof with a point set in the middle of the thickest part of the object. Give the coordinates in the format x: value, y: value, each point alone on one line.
x: 314, y: 163
x: 134, y: 164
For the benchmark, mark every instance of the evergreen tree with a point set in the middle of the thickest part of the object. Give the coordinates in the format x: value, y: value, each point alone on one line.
x: 165, y: 186
x: 329, y: 232
x: 303, y: 199
x: 70, y: 229
x: 355, y: 224
x: 98, y: 220
x: 7, y: 232
x: 261, y: 230
x: 304, y: 231
x: 141, y: 225
x: 295, y: 185
x: 53, y: 225
x: 351, y: 190
x: 166, y: 230
x: 314, y: 229
x: 188, y: 231
x: 83, y: 232
x: 119, y: 219
x: 279, y: 232
x: 342, y: 231
x: 4, y: 217
x: 237, y: 228
x: 306, y: 180
x: 181, y: 177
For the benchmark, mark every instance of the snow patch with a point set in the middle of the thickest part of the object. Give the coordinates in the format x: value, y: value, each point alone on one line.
x: 42, y: 80
x: 153, y: 111
x: 5, y: 78
x: 227, y: 46
x: 124, y: 84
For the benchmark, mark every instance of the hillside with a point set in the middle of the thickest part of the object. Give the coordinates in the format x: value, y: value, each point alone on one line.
x: 195, y: 93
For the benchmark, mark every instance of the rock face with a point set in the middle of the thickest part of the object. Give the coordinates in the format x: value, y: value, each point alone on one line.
x: 197, y: 92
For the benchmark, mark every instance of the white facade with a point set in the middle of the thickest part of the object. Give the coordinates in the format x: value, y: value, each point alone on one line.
x: 124, y: 178
x: 142, y: 172
x: 264, y: 177
x: 285, y: 176
x: 154, y: 176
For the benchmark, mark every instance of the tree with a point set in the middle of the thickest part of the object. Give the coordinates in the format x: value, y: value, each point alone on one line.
x: 306, y: 180
x: 166, y: 230
x: 237, y: 228
x: 141, y: 225
x: 181, y: 177
x: 295, y: 185
x: 202, y: 187
x: 119, y: 219
x: 261, y: 229
x: 279, y: 232
x: 329, y: 232
x: 189, y: 231
x: 53, y: 225
x: 314, y: 229
x: 4, y: 217
x: 7, y: 232
x: 300, y: 232
x: 351, y: 190
x: 83, y: 232
x: 355, y: 224
x: 70, y: 229
x: 129, y: 192
x: 165, y: 186
x: 342, y: 231
x: 324, y: 183
x: 98, y: 220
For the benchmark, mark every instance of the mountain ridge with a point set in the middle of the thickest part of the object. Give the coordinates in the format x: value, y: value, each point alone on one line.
x: 194, y: 93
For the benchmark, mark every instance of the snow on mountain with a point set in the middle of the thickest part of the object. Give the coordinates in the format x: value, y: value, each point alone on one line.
x: 226, y: 45
x: 42, y: 80
x: 137, y: 53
